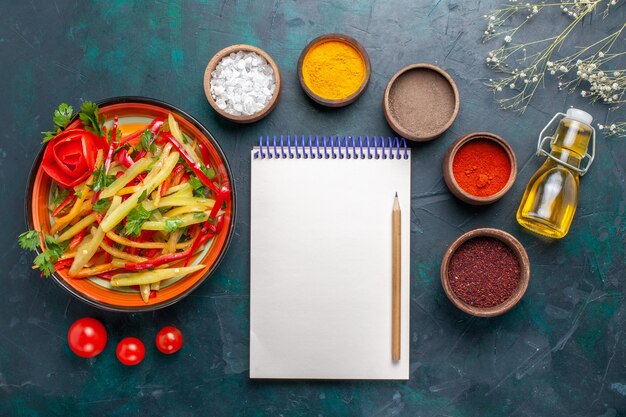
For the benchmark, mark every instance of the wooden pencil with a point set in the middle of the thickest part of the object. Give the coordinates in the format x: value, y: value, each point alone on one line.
x: 395, y: 286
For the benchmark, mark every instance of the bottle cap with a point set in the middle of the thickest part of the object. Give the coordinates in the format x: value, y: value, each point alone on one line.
x: 579, y: 116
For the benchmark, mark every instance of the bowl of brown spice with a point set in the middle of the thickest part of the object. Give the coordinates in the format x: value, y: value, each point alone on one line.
x: 485, y: 272
x: 421, y: 102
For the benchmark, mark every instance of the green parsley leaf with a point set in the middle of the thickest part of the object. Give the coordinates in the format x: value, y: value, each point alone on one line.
x: 61, y: 118
x: 102, y: 205
x: 62, y: 115
x: 124, y: 146
x: 185, y: 236
x: 58, y: 195
x: 147, y: 141
x: 54, y: 248
x: 199, y: 215
x: 29, y: 240
x: 89, y: 115
x: 142, y: 196
x: 44, y: 262
x: 186, y: 139
x: 209, y: 172
x: 200, y: 193
x: 101, y: 180
x: 199, y: 190
x: 46, y: 259
x: 172, y: 225
x: 47, y: 136
x: 195, y: 182
x: 135, y: 219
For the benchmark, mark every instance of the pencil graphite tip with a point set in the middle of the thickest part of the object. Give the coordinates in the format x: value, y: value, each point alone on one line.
x: 396, y: 194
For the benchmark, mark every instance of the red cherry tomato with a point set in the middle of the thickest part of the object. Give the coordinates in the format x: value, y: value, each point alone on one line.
x: 130, y: 351
x: 87, y: 337
x: 169, y: 340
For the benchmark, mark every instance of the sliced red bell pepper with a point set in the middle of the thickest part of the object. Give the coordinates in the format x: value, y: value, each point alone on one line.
x: 179, y: 169
x: 222, y: 196
x: 140, y: 155
x: 204, y: 152
x: 63, y: 263
x: 159, y: 260
x: 109, y: 157
x: 77, y: 239
x: 114, y: 144
x: 132, y: 250
x: 199, y: 241
x: 66, y: 202
x: 138, y: 179
x: 196, y: 167
x: 177, y: 179
x: 124, y: 159
x: 146, y: 235
x: 110, y: 274
x: 170, y: 257
x: 151, y: 253
x: 184, y: 178
x: 135, y: 137
x: 107, y: 255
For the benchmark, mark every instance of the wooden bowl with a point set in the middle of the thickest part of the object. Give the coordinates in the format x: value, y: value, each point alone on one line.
x: 428, y: 95
x: 354, y: 96
x: 453, y: 185
x: 213, y: 64
x: 522, y: 286
x: 96, y: 291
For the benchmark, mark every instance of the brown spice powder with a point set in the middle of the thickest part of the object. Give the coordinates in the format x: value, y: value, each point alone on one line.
x: 484, y: 272
x: 421, y: 101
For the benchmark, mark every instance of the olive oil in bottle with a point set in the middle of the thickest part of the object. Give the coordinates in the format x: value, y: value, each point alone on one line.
x: 551, y: 196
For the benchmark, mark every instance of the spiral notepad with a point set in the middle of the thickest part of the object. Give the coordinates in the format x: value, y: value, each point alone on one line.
x: 320, y: 257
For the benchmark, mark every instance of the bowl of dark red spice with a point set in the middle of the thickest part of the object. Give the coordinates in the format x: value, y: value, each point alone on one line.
x: 479, y: 168
x: 485, y: 272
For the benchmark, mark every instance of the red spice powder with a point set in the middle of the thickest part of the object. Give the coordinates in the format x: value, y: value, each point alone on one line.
x: 484, y: 272
x: 481, y: 167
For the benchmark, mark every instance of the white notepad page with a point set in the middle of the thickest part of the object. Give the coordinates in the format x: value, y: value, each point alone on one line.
x: 320, y: 268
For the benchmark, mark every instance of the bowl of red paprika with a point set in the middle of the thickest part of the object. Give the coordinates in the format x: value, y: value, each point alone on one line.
x: 485, y: 272
x: 68, y: 158
x: 479, y: 168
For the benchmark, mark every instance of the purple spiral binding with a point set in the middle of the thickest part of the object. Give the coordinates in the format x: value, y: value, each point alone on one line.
x: 331, y: 147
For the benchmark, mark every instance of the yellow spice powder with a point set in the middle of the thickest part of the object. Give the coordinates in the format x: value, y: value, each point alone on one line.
x: 333, y: 69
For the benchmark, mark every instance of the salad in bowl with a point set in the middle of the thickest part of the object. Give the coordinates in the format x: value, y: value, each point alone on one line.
x: 131, y: 204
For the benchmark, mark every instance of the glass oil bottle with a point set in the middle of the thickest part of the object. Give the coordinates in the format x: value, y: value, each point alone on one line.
x: 551, y: 196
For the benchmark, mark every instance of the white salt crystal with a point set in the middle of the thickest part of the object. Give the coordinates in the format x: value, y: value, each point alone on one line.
x: 242, y: 83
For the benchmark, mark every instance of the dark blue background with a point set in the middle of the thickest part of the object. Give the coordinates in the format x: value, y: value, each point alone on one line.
x: 562, y: 351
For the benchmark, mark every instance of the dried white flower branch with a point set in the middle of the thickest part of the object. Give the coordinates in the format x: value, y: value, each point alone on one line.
x: 589, y: 69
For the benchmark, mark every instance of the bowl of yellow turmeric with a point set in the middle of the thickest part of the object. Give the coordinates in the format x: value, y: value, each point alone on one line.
x: 334, y: 69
